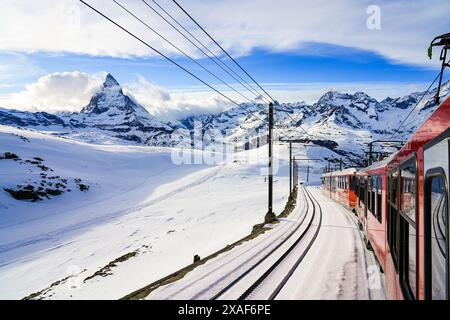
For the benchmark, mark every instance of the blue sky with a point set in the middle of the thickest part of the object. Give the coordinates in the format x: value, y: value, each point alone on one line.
x: 315, y: 47
x: 338, y: 64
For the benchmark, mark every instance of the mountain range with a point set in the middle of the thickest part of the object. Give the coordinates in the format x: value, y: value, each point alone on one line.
x: 342, y: 122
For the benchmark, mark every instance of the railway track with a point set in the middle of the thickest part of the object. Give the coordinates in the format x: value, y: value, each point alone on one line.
x: 287, y: 263
x: 232, y: 267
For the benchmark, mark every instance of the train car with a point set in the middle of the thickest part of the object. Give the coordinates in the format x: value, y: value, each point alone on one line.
x: 341, y: 186
x: 403, y: 209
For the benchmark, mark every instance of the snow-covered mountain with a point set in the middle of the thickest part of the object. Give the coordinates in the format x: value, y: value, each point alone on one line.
x: 110, y: 116
x: 342, y: 122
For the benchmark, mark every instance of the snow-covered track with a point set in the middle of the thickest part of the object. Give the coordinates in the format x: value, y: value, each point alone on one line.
x: 269, y: 254
x: 284, y: 267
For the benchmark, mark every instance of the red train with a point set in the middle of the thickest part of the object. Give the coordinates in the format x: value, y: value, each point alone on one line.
x: 402, y: 207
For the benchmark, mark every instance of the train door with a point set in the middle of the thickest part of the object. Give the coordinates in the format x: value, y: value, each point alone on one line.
x: 392, y: 215
x: 408, y: 252
x: 436, y: 197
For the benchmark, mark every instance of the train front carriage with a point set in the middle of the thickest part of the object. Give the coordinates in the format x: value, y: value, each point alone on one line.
x: 341, y: 187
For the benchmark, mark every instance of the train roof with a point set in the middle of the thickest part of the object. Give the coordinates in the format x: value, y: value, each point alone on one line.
x: 345, y: 172
x: 379, y: 164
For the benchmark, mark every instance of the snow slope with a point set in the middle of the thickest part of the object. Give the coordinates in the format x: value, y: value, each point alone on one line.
x: 140, y: 205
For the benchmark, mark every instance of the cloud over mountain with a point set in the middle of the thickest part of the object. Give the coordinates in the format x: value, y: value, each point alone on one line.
x: 61, y: 91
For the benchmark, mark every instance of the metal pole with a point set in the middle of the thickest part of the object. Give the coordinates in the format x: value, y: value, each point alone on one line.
x: 295, y: 174
x: 444, y: 58
x: 290, y: 168
x: 307, y: 175
x: 270, y: 216
x: 341, y: 165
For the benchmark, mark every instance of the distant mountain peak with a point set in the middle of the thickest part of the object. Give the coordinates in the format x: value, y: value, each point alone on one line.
x: 110, y: 82
x: 110, y: 95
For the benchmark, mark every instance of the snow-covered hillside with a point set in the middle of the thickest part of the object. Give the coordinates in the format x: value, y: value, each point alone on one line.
x: 142, y: 217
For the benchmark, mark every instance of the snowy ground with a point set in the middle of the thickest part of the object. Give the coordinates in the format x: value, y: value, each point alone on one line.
x: 143, y: 217
x: 139, y: 203
x: 336, y: 267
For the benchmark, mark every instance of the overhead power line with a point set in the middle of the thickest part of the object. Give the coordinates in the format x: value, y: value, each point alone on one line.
x: 415, y: 107
x: 212, y: 56
x: 227, y: 54
x: 180, y: 50
x: 164, y: 56
x: 273, y: 100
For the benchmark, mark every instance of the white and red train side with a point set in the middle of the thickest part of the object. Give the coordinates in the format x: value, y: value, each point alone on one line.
x: 402, y: 207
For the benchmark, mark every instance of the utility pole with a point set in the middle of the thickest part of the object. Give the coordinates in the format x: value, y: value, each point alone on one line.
x: 371, y: 147
x: 290, y: 168
x: 306, y: 144
x: 295, y: 173
x: 296, y: 160
x: 270, y: 216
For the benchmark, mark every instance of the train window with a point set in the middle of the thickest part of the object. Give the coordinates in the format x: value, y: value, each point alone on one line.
x: 352, y: 183
x: 408, y: 188
x: 369, y: 192
x: 379, y: 199
x: 372, y: 195
x: 436, y: 208
x: 362, y: 191
x: 408, y: 234
x: 392, y: 215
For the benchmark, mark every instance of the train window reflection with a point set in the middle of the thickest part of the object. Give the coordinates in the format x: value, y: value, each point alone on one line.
x: 379, y: 199
x: 439, y: 225
x: 392, y: 216
x: 408, y: 196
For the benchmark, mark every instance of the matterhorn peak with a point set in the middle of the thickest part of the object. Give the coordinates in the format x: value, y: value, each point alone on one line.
x: 109, y: 96
x: 110, y: 82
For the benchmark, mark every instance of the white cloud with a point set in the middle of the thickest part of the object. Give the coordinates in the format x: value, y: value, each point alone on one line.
x: 176, y: 105
x: 64, y: 91
x: 241, y: 26
x: 71, y: 91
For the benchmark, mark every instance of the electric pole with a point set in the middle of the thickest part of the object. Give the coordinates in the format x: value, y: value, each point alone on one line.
x: 290, y: 168
x: 270, y: 216
x: 306, y: 144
